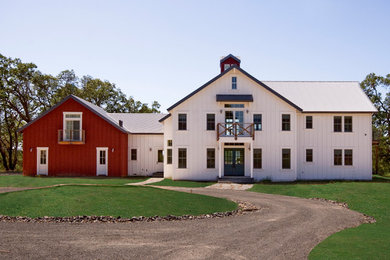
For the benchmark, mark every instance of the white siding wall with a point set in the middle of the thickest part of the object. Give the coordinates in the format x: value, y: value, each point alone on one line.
x: 147, y: 147
x: 323, y: 141
x: 196, y: 139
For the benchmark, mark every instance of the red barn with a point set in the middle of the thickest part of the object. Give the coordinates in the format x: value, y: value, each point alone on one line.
x: 78, y: 138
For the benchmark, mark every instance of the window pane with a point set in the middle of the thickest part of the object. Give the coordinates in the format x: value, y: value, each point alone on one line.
x: 309, y: 122
x: 160, y: 156
x: 348, y: 157
x: 169, y: 156
x: 102, y: 157
x: 210, y: 158
x: 182, y: 158
x: 285, y: 122
x: 348, y: 124
x: 169, y: 142
x: 234, y: 105
x: 210, y: 121
x: 338, y: 160
x: 257, y: 160
x: 286, y: 158
x: 309, y: 155
x: 337, y: 124
x: 234, y: 82
x: 182, y: 121
x: 133, y: 154
x: 72, y: 116
x: 43, y: 157
x: 257, y: 118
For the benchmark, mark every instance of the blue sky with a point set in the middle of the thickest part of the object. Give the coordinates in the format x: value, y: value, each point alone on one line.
x: 163, y: 50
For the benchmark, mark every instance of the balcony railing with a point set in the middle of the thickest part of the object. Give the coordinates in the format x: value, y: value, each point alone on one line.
x: 71, y: 136
x: 235, y: 130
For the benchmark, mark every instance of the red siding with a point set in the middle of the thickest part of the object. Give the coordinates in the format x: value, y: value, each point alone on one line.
x: 230, y: 61
x: 72, y: 159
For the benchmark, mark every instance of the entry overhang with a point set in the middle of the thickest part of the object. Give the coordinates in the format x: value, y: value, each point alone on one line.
x: 234, y: 98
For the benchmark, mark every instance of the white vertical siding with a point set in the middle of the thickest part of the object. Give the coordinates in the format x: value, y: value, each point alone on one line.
x: 147, y: 147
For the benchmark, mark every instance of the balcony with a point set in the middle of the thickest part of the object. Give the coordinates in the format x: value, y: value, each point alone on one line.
x: 71, y: 136
x: 235, y: 130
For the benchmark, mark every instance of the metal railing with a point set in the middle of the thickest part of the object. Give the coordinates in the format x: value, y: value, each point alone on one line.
x: 71, y: 136
x: 235, y: 130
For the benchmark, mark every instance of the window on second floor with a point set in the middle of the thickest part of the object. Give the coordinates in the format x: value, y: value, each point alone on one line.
x: 182, y: 121
x: 72, y: 126
x: 286, y: 124
x: 234, y: 82
x: 169, y: 142
x: 337, y: 121
x: 257, y: 122
x: 348, y: 124
x: 309, y: 122
x: 210, y: 122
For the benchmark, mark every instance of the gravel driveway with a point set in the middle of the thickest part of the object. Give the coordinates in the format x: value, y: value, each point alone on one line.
x: 285, y: 227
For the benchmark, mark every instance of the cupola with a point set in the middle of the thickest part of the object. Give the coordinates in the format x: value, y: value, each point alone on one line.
x: 228, y: 61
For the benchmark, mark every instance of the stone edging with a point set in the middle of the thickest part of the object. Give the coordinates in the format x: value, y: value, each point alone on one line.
x: 367, y: 219
x: 243, y: 208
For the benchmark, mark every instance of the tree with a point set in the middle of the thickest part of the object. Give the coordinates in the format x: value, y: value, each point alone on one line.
x: 377, y: 89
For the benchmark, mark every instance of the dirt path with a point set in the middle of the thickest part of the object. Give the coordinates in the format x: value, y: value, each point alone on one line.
x: 285, y: 227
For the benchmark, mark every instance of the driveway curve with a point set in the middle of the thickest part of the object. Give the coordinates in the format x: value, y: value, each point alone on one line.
x: 283, y: 228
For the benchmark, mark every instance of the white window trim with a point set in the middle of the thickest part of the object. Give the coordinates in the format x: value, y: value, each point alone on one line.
x: 262, y: 159
x: 312, y: 122
x: 215, y: 122
x: 136, y: 149
x: 304, y: 154
x: 177, y: 122
x: 291, y: 159
x: 72, y: 119
x: 215, y: 157
x: 231, y: 82
x: 262, y: 120
x: 291, y: 122
x: 177, y: 158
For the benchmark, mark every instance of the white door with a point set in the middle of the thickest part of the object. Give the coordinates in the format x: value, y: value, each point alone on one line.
x: 42, y: 160
x: 101, y: 161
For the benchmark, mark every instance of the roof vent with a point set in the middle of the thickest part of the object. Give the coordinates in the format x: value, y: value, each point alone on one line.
x: 120, y: 123
x: 229, y: 61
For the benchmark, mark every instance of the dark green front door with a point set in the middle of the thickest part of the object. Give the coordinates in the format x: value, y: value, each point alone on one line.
x: 234, y: 162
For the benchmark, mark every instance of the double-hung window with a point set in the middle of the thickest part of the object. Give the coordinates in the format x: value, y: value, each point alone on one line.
x: 182, y: 120
x: 286, y: 122
x: 133, y: 154
x: 257, y: 122
x: 348, y: 124
x: 337, y: 124
x: 182, y: 158
x: 309, y: 155
x: 338, y: 157
x: 160, y: 156
x: 257, y: 159
x: 169, y: 156
x: 309, y: 122
x: 210, y: 122
x: 210, y: 158
x: 348, y: 157
x: 286, y: 158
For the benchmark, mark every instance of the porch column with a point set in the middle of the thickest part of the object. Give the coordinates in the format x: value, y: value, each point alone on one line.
x: 220, y: 159
x: 251, y: 152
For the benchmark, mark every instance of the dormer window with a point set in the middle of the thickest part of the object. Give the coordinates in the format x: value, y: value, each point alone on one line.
x: 72, y: 126
x: 234, y: 82
x: 226, y: 66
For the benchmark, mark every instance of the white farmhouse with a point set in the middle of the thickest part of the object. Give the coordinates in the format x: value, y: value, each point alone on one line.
x: 236, y: 125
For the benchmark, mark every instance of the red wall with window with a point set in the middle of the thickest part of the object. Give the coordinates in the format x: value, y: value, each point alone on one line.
x: 230, y: 61
x: 74, y: 159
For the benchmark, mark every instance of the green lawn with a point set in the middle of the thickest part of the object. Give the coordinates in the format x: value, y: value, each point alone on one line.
x: 368, y: 241
x: 25, y: 181
x: 124, y: 201
x: 190, y: 184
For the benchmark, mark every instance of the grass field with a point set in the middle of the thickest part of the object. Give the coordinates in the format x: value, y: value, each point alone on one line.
x: 368, y: 241
x: 190, y: 184
x: 25, y: 181
x: 124, y: 201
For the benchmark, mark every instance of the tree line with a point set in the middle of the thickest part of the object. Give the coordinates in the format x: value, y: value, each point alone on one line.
x: 26, y: 92
x: 377, y: 89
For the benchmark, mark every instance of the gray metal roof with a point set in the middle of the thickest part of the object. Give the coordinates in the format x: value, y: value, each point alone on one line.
x: 140, y: 123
